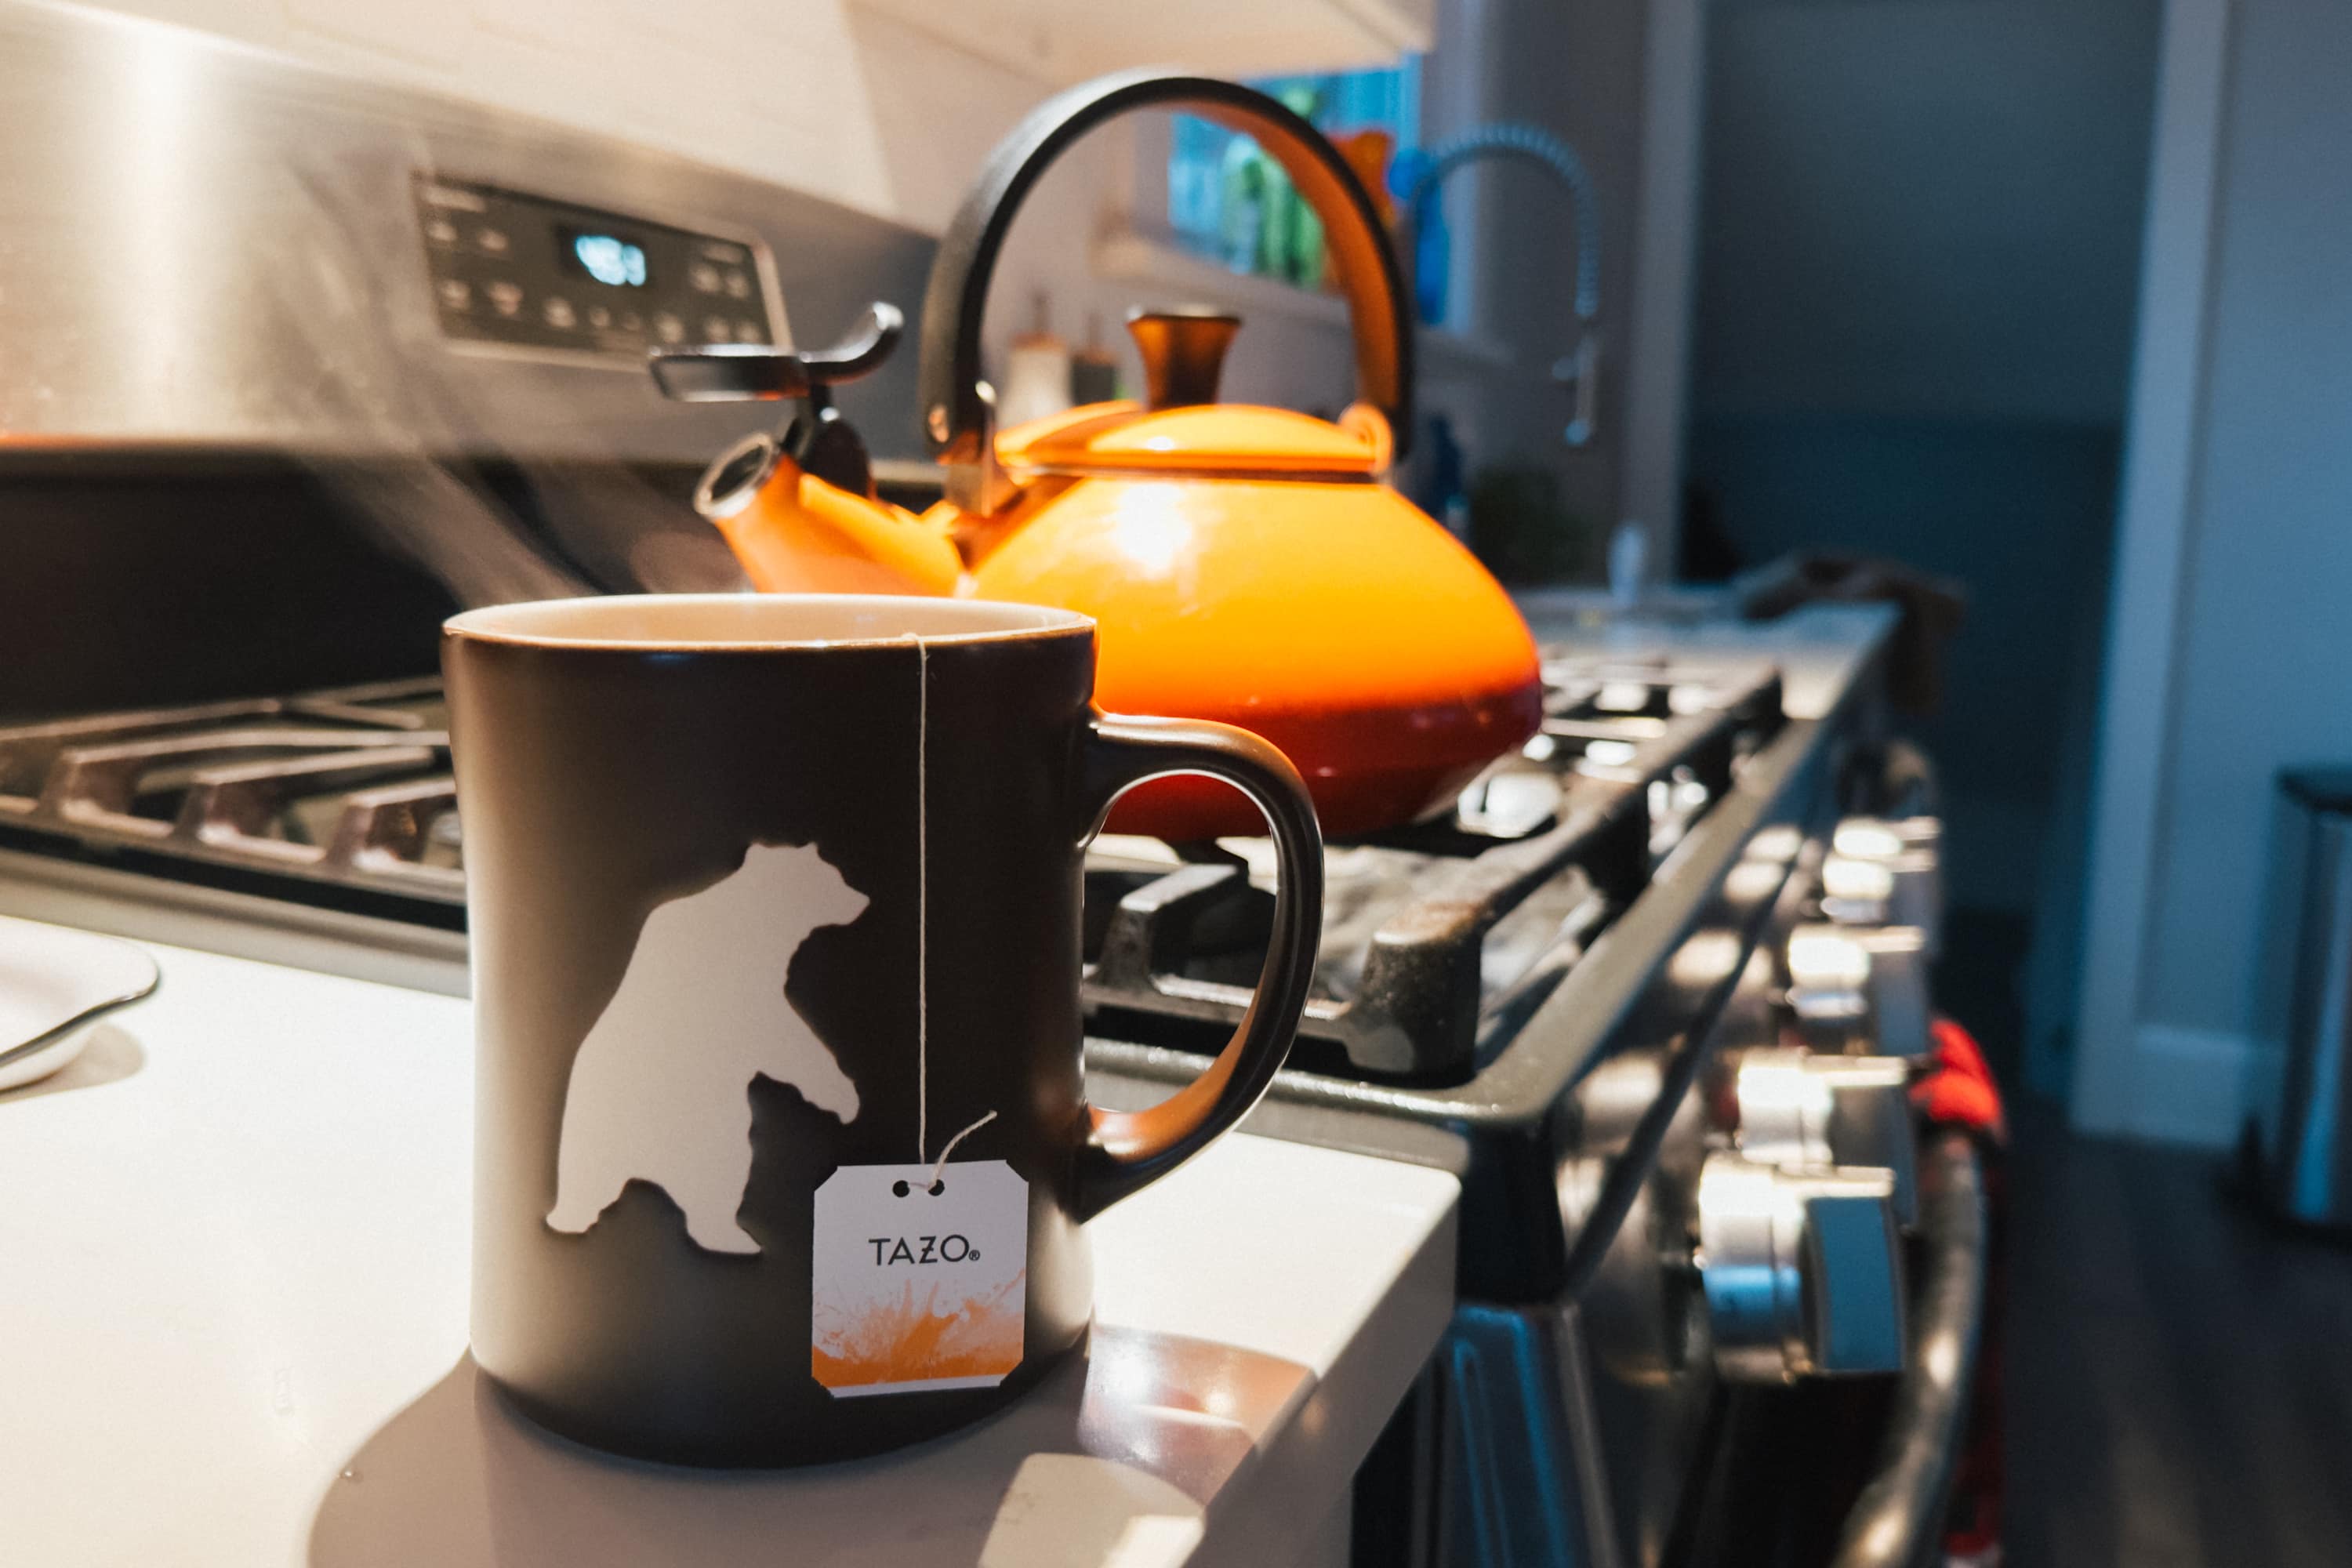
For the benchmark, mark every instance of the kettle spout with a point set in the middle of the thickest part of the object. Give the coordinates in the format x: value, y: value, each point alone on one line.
x: 795, y: 533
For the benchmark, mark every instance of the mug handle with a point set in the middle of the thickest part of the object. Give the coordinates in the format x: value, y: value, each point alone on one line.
x: 1126, y: 1149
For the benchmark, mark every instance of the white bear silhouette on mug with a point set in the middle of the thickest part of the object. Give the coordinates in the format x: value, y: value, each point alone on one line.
x: 658, y: 1089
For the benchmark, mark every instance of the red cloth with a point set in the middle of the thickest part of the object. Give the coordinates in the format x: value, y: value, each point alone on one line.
x: 1959, y: 1091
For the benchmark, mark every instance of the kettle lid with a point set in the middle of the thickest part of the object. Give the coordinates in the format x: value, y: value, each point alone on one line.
x: 1182, y: 429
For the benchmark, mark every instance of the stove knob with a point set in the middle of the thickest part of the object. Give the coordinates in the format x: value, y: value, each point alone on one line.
x: 1855, y: 891
x: 1801, y: 1270
x: 1859, y: 987
x: 1908, y: 848
x: 1829, y: 974
x: 1801, y: 1110
x: 1900, y: 1012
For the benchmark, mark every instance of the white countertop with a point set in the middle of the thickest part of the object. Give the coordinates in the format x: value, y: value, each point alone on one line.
x: 233, y: 1280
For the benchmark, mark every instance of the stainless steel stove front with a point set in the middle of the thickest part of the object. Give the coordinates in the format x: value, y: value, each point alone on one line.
x: 1786, y: 1244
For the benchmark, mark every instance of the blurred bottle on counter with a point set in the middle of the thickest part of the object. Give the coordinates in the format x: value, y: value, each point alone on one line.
x: 1241, y: 205
x: 1629, y: 563
x: 1269, y: 230
x: 1094, y: 369
x: 1036, y: 372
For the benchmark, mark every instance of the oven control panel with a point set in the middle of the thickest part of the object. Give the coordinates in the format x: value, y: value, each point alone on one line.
x: 521, y: 272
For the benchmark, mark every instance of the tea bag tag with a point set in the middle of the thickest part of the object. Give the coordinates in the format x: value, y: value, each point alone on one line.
x: 919, y: 1278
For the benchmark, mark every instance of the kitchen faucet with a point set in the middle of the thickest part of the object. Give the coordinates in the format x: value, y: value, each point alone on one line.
x: 1579, y: 370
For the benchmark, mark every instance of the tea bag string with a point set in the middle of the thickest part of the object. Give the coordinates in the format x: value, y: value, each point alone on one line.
x: 923, y: 898
x: 923, y: 922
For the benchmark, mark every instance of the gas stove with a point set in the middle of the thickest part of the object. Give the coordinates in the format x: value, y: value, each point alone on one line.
x: 1653, y: 990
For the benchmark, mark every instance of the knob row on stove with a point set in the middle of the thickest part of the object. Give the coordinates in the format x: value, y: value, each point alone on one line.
x: 1858, y: 975
x: 1799, y: 1243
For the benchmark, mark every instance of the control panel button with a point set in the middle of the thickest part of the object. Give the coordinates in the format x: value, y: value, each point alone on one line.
x: 668, y: 328
x: 440, y: 231
x: 632, y: 322
x: 457, y: 294
x: 492, y: 240
x: 505, y: 298
x: 748, y: 331
x: 715, y: 330
x: 599, y: 317
x: 738, y: 286
x: 703, y: 277
x: 560, y: 313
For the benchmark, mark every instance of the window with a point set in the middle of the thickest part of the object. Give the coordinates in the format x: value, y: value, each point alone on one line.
x: 1229, y: 202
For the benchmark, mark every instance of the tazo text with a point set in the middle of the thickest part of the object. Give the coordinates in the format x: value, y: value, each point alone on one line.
x: 889, y: 1250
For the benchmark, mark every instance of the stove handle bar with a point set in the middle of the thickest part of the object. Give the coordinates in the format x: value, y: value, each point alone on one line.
x: 1128, y: 1149
x: 1898, y: 1520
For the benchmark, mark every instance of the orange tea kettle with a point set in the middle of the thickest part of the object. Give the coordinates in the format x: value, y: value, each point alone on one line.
x: 1243, y: 563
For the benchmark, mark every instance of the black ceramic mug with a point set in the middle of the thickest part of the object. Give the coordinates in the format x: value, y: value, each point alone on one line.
x: 782, y: 1143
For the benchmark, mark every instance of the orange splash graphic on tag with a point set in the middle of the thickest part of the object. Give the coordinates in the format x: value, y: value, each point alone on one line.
x: 910, y: 1339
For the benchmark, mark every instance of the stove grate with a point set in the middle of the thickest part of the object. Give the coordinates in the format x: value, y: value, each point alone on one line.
x: 343, y: 789
x: 1439, y: 939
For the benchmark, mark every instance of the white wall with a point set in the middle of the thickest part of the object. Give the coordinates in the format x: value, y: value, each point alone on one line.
x: 827, y: 97
x: 2243, y: 663
x: 786, y: 90
x: 1917, y: 248
x: 1927, y: 210
x: 857, y: 106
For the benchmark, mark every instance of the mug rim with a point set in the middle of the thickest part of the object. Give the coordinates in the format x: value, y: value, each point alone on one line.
x: 990, y: 621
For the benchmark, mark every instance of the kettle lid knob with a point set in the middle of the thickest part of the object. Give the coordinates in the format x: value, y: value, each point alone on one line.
x: 1183, y: 353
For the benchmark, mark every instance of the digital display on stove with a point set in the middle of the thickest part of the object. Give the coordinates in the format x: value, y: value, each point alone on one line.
x: 515, y: 271
x: 606, y: 258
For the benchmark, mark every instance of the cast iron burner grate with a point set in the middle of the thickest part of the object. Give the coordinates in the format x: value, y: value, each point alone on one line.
x: 342, y: 799
x: 1439, y: 940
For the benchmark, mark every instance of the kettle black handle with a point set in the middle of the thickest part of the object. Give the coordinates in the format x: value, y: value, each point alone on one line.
x: 744, y: 372
x: 956, y: 415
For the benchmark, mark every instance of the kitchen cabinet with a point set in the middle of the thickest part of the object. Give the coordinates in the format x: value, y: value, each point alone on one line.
x: 1065, y: 41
